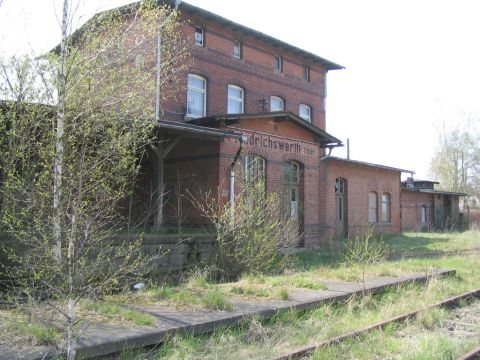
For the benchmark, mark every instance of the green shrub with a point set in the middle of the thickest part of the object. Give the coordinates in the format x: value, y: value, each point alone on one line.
x: 250, y: 232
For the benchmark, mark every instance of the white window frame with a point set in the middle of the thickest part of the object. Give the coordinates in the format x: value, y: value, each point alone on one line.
x: 254, y: 168
x: 237, y: 44
x: 235, y: 99
x: 194, y: 89
x: 276, y: 98
x: 278, y: 63
x: 386, y: 208
x: 199, y: 36
x: 306, y: 108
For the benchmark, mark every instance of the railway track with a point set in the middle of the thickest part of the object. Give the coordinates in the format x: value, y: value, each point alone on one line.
x: 455, y: 326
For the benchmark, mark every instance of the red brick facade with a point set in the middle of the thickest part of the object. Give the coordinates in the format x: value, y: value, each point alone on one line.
x: 359, y: 179
x: 254, y: 72
x: 198, y: 166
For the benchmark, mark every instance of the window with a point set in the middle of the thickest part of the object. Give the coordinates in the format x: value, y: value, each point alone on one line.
x: 292, y: 172
x: 424, y: 214
x: 255, y: 168
x: 276, y: 104
x: 196, y: 96
x: 237, y: 49
x: 306, y: 73
x: 278, y: 63
x: 339, y: 186
x: 235, y: 100
x: 198, y: 36
x: 372, y: 207
x: 386, y: 203
x: 305, y: 112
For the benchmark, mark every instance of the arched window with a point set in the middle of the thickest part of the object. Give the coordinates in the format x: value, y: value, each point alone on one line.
x: 424, y: 214
x: 254, y: 168
x: 291, y: 173
x: 305, y: 112
x: 372, y: 207
x: 386, y: 205
x: 196, y: 96
x: 276, y: 103
x: 235, y: 100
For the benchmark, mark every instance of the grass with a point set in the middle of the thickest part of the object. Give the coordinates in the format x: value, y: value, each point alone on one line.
x: 256, y: 338
x: 115, y: 312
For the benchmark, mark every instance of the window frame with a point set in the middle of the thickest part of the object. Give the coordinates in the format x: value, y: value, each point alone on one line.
x: 237, y: 44
x: 309, y: 108
x: 386, y: 208
x: 277, y: 98
x: 202, y: 32
x: 278, y: 63
x: 372, y: 210
x: 306, y: 73
x: 194, y: 89
x: 254, y: 168
x: 238, y: 100
x: 423, y: 215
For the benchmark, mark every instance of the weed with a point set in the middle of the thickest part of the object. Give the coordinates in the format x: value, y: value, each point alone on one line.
x: 283, y: 294
x: 215, y: 300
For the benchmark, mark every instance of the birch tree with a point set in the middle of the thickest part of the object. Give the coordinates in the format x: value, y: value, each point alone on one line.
x: 74, y: 125
x: 456, y: 163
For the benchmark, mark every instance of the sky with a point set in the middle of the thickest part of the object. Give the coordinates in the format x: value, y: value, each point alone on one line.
x: 411, y: 66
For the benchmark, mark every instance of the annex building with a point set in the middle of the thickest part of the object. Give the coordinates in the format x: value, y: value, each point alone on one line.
x: 252, y: 99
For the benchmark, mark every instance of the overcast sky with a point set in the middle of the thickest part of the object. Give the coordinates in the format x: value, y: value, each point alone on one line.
x: 410, y: 64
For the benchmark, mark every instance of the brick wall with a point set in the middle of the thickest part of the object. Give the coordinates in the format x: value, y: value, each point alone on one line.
x: 360, y: 180
x: 254, y: 73
x: 411, y: 210
x: 265, y: 136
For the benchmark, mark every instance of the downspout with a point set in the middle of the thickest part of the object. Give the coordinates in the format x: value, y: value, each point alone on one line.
x: 243, y: 139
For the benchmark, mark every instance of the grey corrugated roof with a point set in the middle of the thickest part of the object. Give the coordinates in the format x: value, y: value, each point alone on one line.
x: 364, y: 163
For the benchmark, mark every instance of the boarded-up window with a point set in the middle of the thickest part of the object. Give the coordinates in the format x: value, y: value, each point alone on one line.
x: 372, y: 207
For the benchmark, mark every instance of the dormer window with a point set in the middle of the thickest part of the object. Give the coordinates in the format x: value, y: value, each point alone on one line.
x: 278, y: 63
x: 198, y: 36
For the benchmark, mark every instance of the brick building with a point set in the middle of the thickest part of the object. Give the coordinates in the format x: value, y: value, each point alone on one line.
x: 424, y: 208
x: 254, y: 99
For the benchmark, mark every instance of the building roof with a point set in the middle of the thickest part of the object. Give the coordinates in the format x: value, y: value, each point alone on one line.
x: 329, y: 65
x: 190, y: 130
x: 432, y: 191
x: 191, y: 9
x: 324, y: 138
x: 357, y: 162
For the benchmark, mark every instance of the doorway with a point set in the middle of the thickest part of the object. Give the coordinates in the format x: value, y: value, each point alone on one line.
x: 340, y: 208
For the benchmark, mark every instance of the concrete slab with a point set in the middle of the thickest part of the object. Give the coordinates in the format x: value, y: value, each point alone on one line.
x: 104, y: 339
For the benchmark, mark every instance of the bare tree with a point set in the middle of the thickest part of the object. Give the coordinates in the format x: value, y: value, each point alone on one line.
x: 456, y: 163
x: 75, y: 125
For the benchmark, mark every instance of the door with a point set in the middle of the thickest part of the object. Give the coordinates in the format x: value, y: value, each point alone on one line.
x: 340, y: 211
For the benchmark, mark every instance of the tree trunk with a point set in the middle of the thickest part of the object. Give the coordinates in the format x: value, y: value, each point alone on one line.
x: 58, y: 167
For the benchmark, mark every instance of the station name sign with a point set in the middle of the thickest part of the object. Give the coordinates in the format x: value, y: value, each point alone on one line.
x: 267, y: 142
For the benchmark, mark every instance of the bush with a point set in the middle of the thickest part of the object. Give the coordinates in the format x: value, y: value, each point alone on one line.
x: 250, y: 232
x: 367, y: 248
